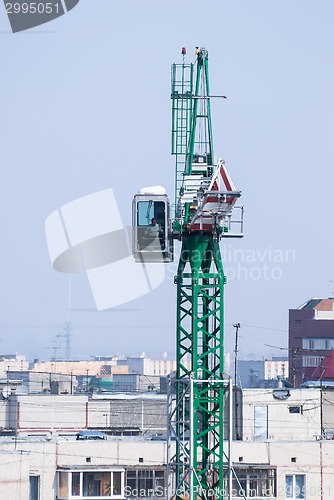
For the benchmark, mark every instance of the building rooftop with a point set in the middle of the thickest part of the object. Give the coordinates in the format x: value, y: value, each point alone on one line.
x: 310, y: 304
x: 318, y: 304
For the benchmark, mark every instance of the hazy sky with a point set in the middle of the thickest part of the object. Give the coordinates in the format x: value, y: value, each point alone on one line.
x: 86, y: 106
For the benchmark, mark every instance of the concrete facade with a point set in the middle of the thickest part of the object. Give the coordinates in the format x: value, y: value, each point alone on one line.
x: 265, y: 417
x: 267, y: 469
x: 133, y: 382
x: 257, y: 414
x: 66, y: 414
x: 147, y: 366
x: 281, y: 446
x: 38, y: 383
x: 310, y: 462
x: 20, y: 460
x: 10, y: 362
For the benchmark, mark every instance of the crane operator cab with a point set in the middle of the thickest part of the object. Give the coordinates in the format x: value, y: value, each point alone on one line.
x: 151, y: 237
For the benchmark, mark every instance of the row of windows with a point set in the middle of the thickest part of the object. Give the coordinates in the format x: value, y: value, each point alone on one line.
x: 145, y: 483
x: 318, y: 344
x: 249, y: 483
x: 253, y: 483
x: 108, y: 484
x: 313, y: 361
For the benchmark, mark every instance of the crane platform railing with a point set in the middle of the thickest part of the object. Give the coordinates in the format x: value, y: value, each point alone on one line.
x: 210, y: 199
x: 213, y: 207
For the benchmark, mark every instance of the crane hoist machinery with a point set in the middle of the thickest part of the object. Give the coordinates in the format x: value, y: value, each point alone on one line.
x: 203, y: 214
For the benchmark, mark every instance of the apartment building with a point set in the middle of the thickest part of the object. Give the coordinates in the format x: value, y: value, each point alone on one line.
x: 311, y: 338
x: 60, y: 468
x: 284, y: 448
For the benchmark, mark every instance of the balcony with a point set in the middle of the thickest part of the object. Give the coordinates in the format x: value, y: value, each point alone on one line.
x: 100, y: 483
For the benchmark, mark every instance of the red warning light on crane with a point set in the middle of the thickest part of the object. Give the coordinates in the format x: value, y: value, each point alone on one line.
x: 184, y: 51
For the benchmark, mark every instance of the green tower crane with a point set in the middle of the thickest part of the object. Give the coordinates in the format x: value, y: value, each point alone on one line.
x: 200, y: 218
x: 204, y: 200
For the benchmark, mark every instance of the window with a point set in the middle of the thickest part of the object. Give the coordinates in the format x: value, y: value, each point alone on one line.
x: 96, y: 484
x: 260, y: 423
x: 76, y: 483
x: 295, y: 409
x: 34, y: 487
x: 150, y: 233
x: 253, y: 483
x: 149, y: 209
x: 104, y: 484
x: 295, y: 486
x: 145, y: 483
x: 63, y: 484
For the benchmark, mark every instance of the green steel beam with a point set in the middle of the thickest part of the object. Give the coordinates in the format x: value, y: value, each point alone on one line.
x: 190, y: 151
x: 202, y: 90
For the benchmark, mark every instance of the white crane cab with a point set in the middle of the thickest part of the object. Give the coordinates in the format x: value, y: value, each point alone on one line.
x: 152, y: 236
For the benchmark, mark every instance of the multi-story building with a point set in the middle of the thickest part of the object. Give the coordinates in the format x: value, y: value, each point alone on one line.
x: 284, y: 446
x: 120, y: 414
x: 255, y: 373
x: 10, y: 362
x: 159, y: 367
x: 311, y: 337
x: 283, y: 453
x: 63, y: 469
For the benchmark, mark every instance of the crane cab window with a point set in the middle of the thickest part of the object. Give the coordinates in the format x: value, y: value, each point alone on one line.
x: 147, y: 210
x: 151, y: 225
x: 151, y: 234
